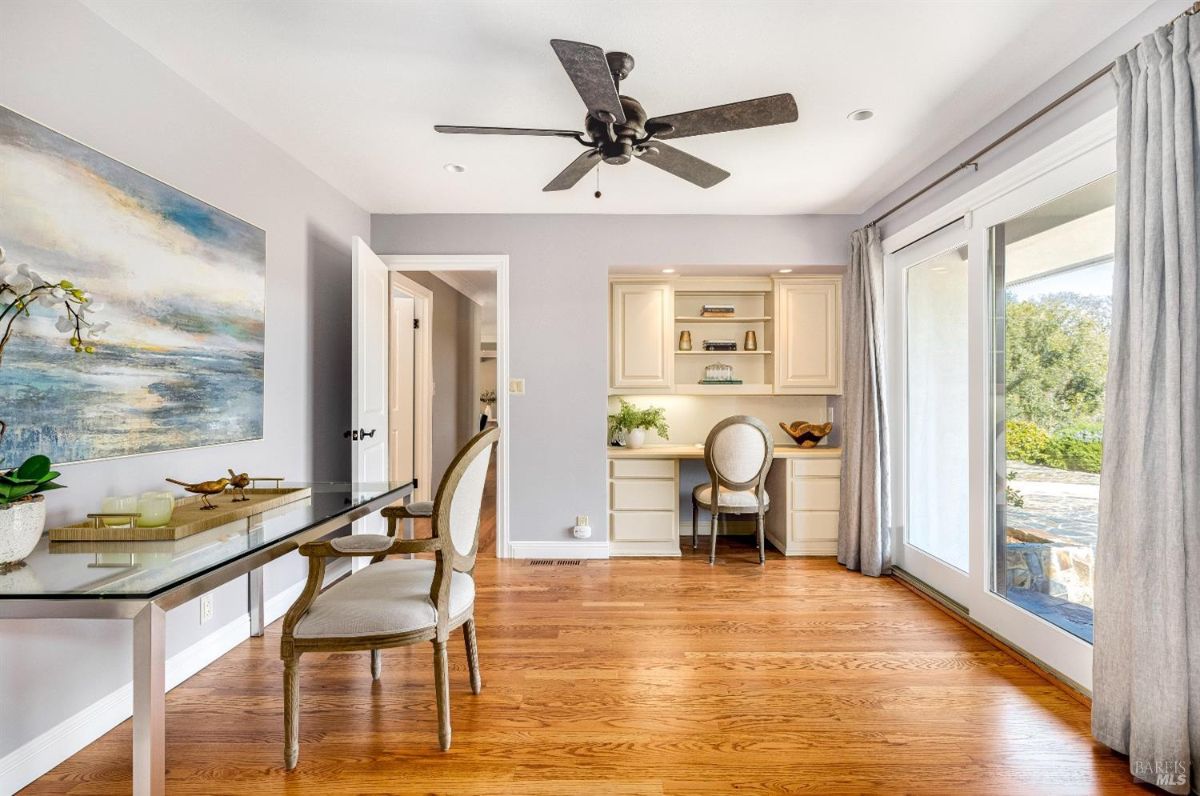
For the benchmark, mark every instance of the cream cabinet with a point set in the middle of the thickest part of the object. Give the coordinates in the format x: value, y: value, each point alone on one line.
x: 808, y: 335
x: 641, y: 351
x: 643, y: 501
x: 805, y: 522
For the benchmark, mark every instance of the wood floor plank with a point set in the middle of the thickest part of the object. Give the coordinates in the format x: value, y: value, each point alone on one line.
x: 632, y: 677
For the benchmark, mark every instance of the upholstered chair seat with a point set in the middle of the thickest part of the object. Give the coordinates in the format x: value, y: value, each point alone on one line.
x: 388, y: 597
x: 730, y: 499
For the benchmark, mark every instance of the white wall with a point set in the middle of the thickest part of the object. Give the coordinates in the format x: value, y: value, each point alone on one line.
x: 63, y: 67
x: 558, y: 326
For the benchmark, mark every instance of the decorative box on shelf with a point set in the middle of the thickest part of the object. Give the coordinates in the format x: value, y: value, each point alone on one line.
x: 719, y: 373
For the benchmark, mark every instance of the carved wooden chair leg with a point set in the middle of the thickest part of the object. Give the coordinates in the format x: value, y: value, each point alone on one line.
x: 695, y: 523
x: 762, y: 541
x: 714, y: 530
x: 291, y: 713
x: 376, y: 664
x: 472, y: 656
x: 441, y: 682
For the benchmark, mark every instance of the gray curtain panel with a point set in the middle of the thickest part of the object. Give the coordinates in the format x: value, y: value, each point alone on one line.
x: 1146, y: 670
x: 864, y: 542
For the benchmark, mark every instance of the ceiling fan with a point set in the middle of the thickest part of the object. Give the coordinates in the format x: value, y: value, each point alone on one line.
x: 617, y: 129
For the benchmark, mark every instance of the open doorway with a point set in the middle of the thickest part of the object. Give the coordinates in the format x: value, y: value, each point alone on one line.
x: 447, y: 362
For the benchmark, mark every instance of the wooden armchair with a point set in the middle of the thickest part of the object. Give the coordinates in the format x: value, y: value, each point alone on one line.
x: 393, y: 603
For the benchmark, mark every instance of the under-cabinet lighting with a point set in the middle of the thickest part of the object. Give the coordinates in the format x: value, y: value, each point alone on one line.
x: 668, y: 270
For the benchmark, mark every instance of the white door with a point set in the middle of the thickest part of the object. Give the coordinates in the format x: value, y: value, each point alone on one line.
x: 369, y: 381
x: 403, y: 339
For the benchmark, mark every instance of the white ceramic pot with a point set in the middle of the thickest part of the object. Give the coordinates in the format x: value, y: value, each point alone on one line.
x: 21, y: 525
x: 635, y: 438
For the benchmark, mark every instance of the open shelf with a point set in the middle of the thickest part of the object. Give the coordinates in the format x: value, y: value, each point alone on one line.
x: 720, y: 353
x: 724, y: 389
x: 711, y: 319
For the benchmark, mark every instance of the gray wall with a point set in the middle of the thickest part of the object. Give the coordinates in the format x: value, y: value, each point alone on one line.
x: 63, y: 67
x: 559, y: 325
x: 453, y: 352
x: 1093, y: 102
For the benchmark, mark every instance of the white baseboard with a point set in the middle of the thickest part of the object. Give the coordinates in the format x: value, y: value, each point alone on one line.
x: 559, y: 549
x: 33, y: 759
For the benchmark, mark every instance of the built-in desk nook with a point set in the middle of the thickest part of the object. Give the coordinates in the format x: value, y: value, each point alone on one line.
x: 705, y: 348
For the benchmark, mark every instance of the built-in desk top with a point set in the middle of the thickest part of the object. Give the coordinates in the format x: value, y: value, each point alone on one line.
x: 696, y: 451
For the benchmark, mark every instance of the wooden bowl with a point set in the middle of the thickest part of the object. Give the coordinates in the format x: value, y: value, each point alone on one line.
x: 807, y: 435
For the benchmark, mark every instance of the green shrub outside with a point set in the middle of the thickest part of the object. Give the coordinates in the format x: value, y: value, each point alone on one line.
x: 1075, y: 448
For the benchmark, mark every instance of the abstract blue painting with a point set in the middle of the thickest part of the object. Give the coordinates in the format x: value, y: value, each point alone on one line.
x: 182, y: 285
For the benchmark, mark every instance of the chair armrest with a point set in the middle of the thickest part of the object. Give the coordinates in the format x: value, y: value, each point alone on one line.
x: 420, y: 509
x: 367, y: 544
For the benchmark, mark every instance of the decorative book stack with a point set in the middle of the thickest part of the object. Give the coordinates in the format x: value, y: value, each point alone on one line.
x: 720, y: 345
x: 716, y: 311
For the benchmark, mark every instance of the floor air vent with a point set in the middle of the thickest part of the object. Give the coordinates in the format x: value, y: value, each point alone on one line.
x: 550, y: 562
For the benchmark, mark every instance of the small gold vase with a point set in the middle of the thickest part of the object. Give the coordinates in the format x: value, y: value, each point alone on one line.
x: 685, y: 341
x: 751, y: 343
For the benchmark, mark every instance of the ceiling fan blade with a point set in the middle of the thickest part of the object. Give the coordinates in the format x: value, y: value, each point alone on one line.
x: 761, y: 112
x: 681, y: 164
x: 454, y: 128
x: 588, y: 69
x: 575, y: 172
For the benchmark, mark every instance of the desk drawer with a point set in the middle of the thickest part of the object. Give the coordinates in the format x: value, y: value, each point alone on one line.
x: 817, y: 467
x: 816, y: 494
x: 814, y: 526
x: 643, y: 468
x: 644, y: 494
x: 643, y: 526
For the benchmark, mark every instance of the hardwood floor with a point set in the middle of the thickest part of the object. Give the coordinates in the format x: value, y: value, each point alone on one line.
x: 642, y: 676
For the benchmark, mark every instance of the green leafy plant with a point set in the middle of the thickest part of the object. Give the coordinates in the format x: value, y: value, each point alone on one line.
x: 628, y: 417
x: 1012, y: 496
x: 32, y: 477
x: 488, y: 397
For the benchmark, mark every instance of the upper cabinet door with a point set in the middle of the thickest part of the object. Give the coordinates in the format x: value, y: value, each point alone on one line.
x: 808, y: 332
x: 641, y: 352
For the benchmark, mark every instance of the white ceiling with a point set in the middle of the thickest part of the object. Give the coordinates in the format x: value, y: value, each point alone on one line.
x: 353, y: 89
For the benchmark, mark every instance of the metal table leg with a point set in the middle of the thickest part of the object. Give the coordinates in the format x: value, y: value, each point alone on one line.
x: 149, y: 702
x: 257, y: 615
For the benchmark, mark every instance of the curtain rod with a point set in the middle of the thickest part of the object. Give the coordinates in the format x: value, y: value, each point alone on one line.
x: 973, y: 161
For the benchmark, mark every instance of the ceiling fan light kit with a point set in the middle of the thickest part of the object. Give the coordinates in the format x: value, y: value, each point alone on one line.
x: 617, y: 130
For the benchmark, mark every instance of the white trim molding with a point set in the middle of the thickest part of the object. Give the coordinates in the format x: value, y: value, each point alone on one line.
x: 1097, y: 133
x: 558, y: 549
x: 499, y: 264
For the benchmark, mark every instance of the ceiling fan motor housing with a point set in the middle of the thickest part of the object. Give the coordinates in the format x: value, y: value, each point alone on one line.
x: 621, y: 150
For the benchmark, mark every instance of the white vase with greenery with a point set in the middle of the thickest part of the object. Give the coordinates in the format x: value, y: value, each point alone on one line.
x: 629, y: 424
x: 23, y: 508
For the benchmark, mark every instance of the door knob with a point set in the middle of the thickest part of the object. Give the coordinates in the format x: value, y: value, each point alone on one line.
x: 363, y: 433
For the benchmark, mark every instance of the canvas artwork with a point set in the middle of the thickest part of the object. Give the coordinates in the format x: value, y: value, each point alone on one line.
x: 179, y: 284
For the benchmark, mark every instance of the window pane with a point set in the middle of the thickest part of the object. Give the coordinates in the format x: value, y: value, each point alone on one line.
x: 1053, y: 283
x: 936, y: 427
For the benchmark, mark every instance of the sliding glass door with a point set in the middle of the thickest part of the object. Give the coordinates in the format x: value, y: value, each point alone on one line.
x: 998, y: 344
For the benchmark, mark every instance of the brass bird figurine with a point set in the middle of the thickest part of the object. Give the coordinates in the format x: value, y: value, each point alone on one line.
x: 239, y: 482
x: 204, y: 489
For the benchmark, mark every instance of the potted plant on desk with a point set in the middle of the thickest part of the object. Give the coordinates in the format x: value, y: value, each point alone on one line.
x: 23, y: 508
x: 629, y: 425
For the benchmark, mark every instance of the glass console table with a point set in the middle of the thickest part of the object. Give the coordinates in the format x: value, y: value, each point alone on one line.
x: 141, y: 581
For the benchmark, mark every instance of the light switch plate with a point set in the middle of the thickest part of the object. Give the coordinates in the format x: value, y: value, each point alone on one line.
x: 516, y: 386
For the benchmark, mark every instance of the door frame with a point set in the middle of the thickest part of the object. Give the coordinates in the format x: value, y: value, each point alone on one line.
x: 497, y: 263
x: 422, y: 378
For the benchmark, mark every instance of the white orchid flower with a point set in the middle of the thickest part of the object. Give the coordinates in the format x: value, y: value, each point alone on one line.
x: 98, y: 329
x: 25, y: 270
x: 20, y: 283
x: 65, y: 324
x: 3, y: 255
x: 94, y: 307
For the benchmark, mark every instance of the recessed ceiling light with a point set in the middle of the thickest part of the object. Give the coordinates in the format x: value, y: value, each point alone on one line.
x: 860, y: 115
x: 785, y: 270
x: 668, y: 270
x: 455, y: 168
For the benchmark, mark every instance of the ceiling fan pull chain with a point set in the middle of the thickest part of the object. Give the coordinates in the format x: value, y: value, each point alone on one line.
x: 597, y: 182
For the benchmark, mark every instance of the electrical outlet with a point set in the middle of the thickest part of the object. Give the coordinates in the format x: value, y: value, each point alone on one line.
x: 581, y: 519
x: 206, y: 608
x: 516, y: 386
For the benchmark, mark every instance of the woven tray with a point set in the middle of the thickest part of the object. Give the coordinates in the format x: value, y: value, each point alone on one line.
x: 187, y: 519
